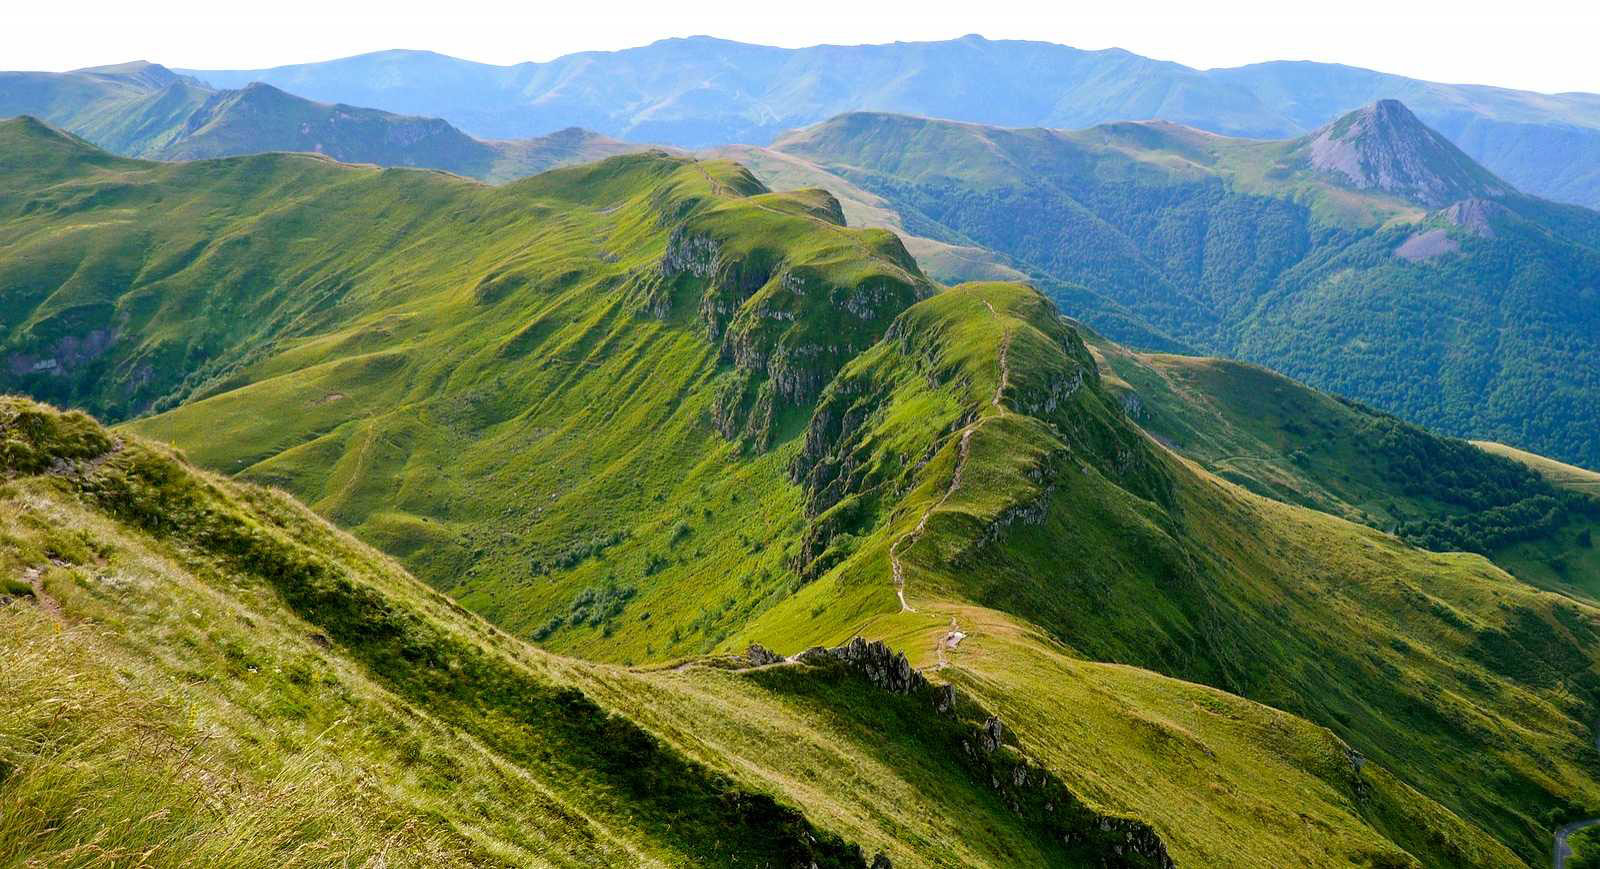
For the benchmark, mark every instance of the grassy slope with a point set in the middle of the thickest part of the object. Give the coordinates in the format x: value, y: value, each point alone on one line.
x: 280, y: 694
x: 1237, y: 248
x: 945, y: 255
x: 1562, y: 474
x: 126, y: 109
x: 267, y: 729
x: 1287, y: 441
x: 524, y: 405
x: 942, y: 260
x: 1123, y: 553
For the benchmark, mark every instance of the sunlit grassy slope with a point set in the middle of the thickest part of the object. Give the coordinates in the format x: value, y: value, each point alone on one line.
x: 1287, y: 441
x: 644, y: 410
x: 1047, y: 507
x: 201, y: 669
x: 1560, y: 473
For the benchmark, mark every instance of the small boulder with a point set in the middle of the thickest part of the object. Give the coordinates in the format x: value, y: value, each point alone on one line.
x: 760, y: 656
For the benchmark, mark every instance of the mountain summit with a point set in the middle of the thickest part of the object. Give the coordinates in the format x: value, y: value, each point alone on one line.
x: 1385, y: 147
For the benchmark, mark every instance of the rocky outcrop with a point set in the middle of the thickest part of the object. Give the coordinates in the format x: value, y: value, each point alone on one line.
x: 787, y: 327
x: 1474, y: 216
x: 874, y: 661
x: 62, y: 356
x: 761, y: 656
x: 1426, y: 245
x: 1056, y: 393
x: 1469, y: 218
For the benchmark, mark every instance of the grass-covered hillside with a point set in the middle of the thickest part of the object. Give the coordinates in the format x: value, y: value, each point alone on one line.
x: 145, y: 110
x: 197, y: 671
x: 644, y: 412
x: 1370, y: 258
x: 201, y: 669
x: 1533, y: 516
x: 976, y: 458
x: 941, y: 260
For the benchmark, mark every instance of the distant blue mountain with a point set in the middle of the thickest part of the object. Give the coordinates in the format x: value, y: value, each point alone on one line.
x: 702, y: 91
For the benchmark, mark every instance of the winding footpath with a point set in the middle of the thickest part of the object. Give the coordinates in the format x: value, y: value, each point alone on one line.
x: 955, y: 635
x: 1562, y: 850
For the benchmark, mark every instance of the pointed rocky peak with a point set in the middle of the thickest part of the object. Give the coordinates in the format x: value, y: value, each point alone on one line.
x: 1384, y: 147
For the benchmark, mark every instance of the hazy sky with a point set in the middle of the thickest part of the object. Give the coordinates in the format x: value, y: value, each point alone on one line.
x: 1532, y: 44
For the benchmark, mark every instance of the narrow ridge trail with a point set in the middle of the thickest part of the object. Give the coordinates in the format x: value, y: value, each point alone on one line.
x: 34, y: 577
x: 948, y: 642
x: 954, y: 636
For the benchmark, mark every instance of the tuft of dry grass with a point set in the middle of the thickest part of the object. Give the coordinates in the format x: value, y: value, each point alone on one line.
x: 100, y: 765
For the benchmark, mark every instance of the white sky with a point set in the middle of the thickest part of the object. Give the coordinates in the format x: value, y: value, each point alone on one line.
x: 1531, y: 44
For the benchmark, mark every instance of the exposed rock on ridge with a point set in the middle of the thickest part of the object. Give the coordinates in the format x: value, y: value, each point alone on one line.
x: 786, y: 324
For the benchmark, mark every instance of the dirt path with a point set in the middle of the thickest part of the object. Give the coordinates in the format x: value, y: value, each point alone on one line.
x: 1005, y: 363
x: 1562, y: 850
x: 34, y: 577
x: 897, y: 571
x: 895, y: 568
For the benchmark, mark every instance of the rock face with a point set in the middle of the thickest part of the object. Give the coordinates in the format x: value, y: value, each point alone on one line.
x: 760, y: 656
x: 1469, y: 217
x: 1384, y: 147
x: 786, y: 326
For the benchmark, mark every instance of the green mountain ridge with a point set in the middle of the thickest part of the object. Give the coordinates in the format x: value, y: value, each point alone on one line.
x: 701, y: 91
x: 645, y: 411
x: 1291, y: 443
x: 145, y: 110
x: 1311, y: 256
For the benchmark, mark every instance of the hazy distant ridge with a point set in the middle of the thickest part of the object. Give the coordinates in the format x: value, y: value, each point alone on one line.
x: 703, y: 91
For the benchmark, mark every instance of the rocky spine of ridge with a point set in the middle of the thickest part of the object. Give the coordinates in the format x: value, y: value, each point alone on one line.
x: 1384, y: 147
x: 780, y: 358
x: 981, y: 744
x: 845, y: 481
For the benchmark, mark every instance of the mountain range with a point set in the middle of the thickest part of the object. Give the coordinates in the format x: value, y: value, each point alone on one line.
x: 734, y: 535
x: 699, y: 92
x: 1371, y: 257
x: 145, y: 110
